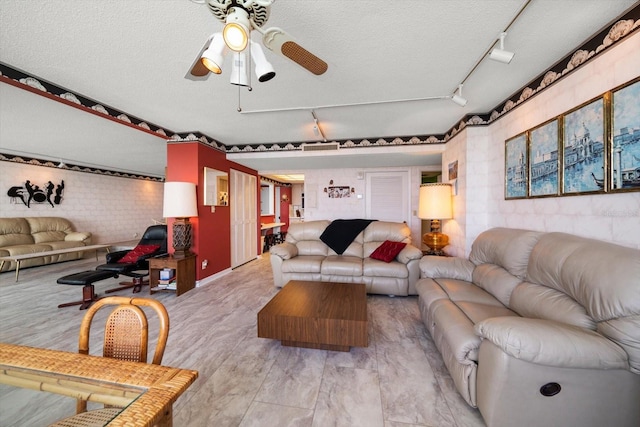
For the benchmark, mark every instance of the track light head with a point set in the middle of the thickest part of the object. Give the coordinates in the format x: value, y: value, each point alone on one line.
x: 457, y: 97
x: 499, y: 54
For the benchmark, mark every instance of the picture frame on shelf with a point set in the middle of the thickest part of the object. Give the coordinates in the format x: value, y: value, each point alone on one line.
x: 516, y: 167
x: 584, y: 149
x: 544, y: 159
x: 625, y: 140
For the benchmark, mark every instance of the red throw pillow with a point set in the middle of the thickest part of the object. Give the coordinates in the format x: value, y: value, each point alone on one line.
x: 137, y: 252
x: 388, y: 251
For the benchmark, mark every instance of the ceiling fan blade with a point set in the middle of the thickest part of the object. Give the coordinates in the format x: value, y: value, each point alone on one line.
x: 280, y: 42
x: 198, y: 71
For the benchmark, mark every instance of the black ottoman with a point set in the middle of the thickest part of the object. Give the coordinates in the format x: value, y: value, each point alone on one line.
x: 85, y: 279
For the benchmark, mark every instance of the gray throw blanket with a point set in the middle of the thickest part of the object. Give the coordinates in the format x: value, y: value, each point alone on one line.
x: 341, y: 232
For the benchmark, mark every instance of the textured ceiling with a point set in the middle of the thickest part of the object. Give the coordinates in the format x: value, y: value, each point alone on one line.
x: 133, y: 55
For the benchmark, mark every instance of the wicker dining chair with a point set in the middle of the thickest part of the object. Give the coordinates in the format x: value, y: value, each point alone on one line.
x: 126, y: 332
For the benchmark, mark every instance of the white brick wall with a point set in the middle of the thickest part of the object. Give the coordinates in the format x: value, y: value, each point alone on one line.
x: 480, y: 152
x: 112, y: 209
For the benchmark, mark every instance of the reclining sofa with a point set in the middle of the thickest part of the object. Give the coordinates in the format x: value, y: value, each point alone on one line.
x: 27, y: 235
x: 539, y: 329
x: 305, y: 256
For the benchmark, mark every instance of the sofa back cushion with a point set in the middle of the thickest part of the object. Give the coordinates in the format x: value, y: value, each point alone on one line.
x: 49, y: 229
x: 14, y: 231
x: 506, y: 247
x: 541, y: 302
x: 306, y: 237
x: 378, y: 231
x: 354, y: 249
x: 602, y: 277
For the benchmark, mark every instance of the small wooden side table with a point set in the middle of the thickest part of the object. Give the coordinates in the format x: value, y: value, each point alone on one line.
x: 185, y: 269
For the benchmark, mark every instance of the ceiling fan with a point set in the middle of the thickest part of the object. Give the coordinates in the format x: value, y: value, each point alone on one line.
x: 240, y: 18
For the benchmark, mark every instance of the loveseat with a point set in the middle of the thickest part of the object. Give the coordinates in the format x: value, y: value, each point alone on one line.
x: 20, y: 236
x: 305, y: 256
x: 539, y: 329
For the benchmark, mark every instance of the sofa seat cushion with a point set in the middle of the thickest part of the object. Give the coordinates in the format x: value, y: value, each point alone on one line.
x: 27, y: 249
x: 373, y: 267
x: 454, y: 307
x: 64, y: 245
x: 303, y: 264
x: 340, y: 265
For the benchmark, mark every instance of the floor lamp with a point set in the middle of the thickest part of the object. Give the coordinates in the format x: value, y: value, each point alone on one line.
x: 180, y: 203
x: 435, y: 204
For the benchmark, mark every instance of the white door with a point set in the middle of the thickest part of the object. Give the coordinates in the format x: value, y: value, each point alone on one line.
x: 387, y: 196
x: 244, y: 218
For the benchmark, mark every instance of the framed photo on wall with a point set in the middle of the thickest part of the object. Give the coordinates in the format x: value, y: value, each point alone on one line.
x: 583, y: 149
x: 544, y: 144
x: 515, y: 169
x: 625, y: 146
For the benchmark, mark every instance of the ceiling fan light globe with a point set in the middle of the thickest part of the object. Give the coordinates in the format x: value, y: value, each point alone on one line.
x: 212, y: 61
x: 264, y: 70
x: 236, y: 36
x: 239, y: 75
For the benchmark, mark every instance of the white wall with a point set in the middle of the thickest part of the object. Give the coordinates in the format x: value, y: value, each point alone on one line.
x: 480, y: 152
x: 113, y: 209
x: 319, y: 206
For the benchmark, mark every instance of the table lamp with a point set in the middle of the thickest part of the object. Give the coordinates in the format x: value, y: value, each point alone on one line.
x: 435, y: 204
x: 180, y: 203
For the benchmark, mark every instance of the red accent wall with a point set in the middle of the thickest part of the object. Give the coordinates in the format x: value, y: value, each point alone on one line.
x: 211, y: 230
x: 284, y: 207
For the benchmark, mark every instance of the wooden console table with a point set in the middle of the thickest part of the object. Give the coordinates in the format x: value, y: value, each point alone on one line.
x: 185, y: 269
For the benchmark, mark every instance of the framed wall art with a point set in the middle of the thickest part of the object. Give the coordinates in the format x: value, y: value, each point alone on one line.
x: 625, y: 145
x: 583, y: 149
x: 516, y: 165
x: 544, y: 146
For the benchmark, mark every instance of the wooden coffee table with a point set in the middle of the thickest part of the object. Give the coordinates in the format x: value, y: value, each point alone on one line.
x: 328, y: 316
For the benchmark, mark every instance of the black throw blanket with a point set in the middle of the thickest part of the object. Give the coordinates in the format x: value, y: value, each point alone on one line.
x: 341, y: 232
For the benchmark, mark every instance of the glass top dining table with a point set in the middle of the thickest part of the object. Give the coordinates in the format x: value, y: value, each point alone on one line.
x: 145, y: 392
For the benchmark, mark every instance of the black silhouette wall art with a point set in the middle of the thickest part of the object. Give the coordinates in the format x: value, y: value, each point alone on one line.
x: 30, y: 193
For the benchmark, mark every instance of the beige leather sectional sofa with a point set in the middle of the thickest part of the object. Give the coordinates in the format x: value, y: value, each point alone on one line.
x: 304, y: 256
x: 39, y: 234
x: 539, y: 329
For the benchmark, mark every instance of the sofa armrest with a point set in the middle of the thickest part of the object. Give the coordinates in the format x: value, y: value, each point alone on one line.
x: 439, y: 267
x: 549, y: 343
x: 78, y: 236
x: 284, y: 250
x: 408, y: 253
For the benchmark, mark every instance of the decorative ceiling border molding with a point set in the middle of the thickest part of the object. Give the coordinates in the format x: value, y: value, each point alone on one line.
x: 66, y: 166
x: 626, y: 25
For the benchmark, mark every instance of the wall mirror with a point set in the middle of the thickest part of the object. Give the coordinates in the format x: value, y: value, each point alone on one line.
x: 267, y: 198
x: 216, y: 187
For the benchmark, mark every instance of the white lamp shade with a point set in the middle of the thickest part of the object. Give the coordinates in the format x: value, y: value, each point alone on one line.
x: 435, y: 201
x: 179, y: 200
